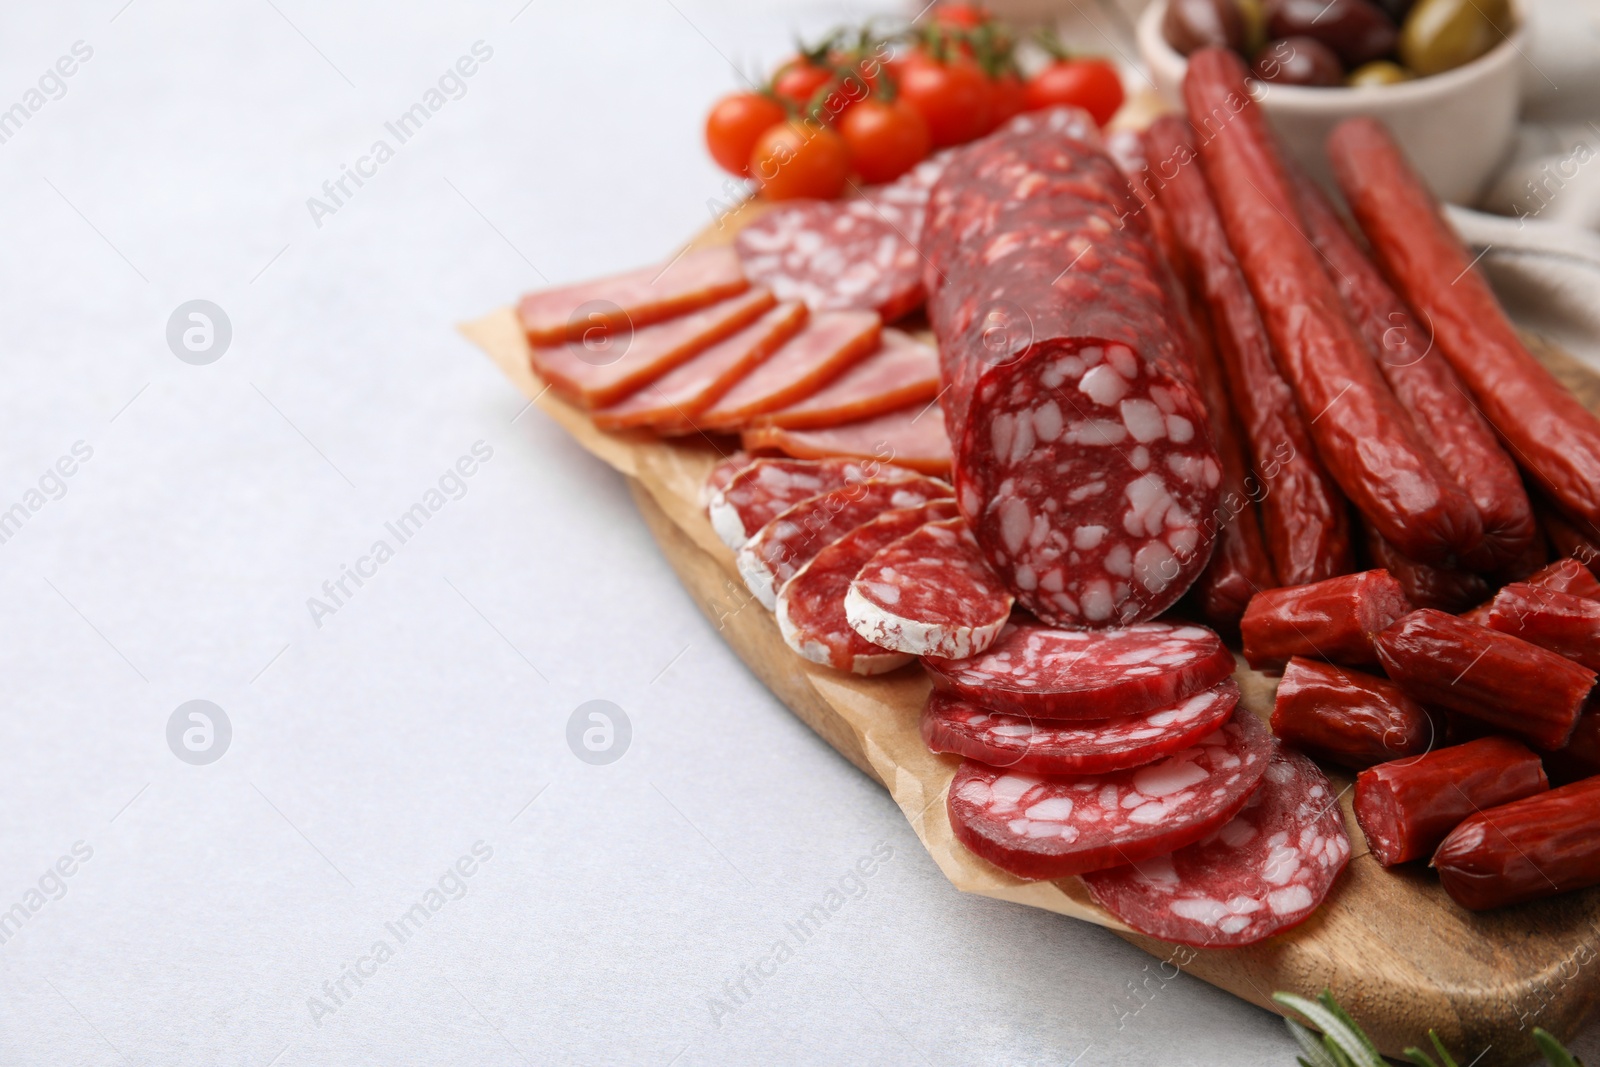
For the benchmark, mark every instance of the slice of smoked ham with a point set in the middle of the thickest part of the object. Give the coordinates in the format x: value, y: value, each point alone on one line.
x: 829, y: 345
x: 603, y: 368
x: 1038, y: 671
x: 777, y: 551
x: 765, y: 488
x: 671, y: 403
x: 1041, y: 746
x: 633, y: 300
x: 835, y: 256
x: 1264, y: 871
x: 912, y: 437
x: 904, y: 371
x: 931, y: 593
x: 1056, y: 826
x: 811, y: 614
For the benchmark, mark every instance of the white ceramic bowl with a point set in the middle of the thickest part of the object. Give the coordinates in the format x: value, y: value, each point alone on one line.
x: 1455, y: 127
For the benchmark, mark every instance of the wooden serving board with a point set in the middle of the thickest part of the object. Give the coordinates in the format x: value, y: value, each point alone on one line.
x: 1399, y: 954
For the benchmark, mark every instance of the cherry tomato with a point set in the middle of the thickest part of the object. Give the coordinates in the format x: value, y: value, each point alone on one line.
x: 885, y: 139
x: 960, y: 16
x: 1007, y: 98
x: 733, y: 126
x: 953, y: 97
x: 1092, y: 84
x: 800, y: 159
x: 798, y: 80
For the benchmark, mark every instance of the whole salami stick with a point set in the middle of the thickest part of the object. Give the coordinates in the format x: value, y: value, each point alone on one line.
x: 1303, y: 514
x: 1426, y: 585
x: 1363, y: 435
x: 1525, y: 850
x: 1425, y: 384
x: 1549, y: 432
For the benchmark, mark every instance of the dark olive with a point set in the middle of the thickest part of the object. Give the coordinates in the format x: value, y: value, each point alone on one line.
x: 1396, y: 9
x: 1356, y: 30
x: 1193, y: 24
x: 1298, y: 61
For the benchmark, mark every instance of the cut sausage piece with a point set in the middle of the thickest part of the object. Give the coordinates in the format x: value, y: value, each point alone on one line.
x: 1333, y: 620
x: 834, y: 255
x: 1426, y: 585
x: 765, y: 488
x: 911, y: 437
x: 904, y: 371
x: 1303, y: 513
x: 602, y: 368
x: 633, y: 300
x: 723, y: 473
x: 1424, y: 383
x: 1046, y: 673
x: 1362, y: 434
x: 1525, y: 850
x: 830, y: 344
x: 1055, y: 826
x: 777, y: 551
x: 1346, y: 717
x: 931, y: 593
x: 1561, y: 622
x: 1406, y: 807
x: 671, y: 403
x: 1082, y: 457
x: 1493, y: 677
x: 811, y: 614
x: 1038, y: 746
x: 903, y: 203
x: 1263, y: 872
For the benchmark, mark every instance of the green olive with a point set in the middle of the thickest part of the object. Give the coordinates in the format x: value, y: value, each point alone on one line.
x: 1254, y: 14
x: 1440, y: 35
x: 1378, y: 72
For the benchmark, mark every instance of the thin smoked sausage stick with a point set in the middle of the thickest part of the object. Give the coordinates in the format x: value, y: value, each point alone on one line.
x: 1428, y: 388
x: 1549, y: 432
x: 1363, y: 435
x: 1303, y: 514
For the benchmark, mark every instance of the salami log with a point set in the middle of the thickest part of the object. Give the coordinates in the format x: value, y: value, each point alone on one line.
x: 811, y: 606
x: 912, y: 437
x: 1263, y: 872
x: 671, y: 403
x: 1526, y: 850
x: 1362, y: 434
x: 835, y: 256
x: 627, y: 302
x: 1504, y: 681
x: 929, y: 594
x: 1569, y: 540
x: 1048, y: 673
x: 1039, y: 746
x: 1426, y: 585
x: 902, y: 372
x: 1081, y: 455
x: 1561, y: 622
x: 777, y: 551
x: 1055, y: 826
x: 1347, y: 717
x: 763, y: 489
x: 1334, y: 620
x: 602, y: 368
x: 1406, y: 807
x: 1303, y: 514
x: 1425, y: 384
x: 1553, y: 436
x: 831, y: 343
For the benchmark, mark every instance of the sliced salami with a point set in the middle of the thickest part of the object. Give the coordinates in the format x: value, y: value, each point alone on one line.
x: 904, y: 201
x: 722, y: 474
x: 1263, y: 872
x: 1046, y: 673
x: 831, y: 343
x: 777, y: 551
x: 632, y: 300
x: 902, y: 372
x: 912, y: 437
x: 835, y: 256
x: 951, y: 724
x: 763, y: 489
x: 929, y: 594
x: 1056, y: 826
x: 811, y: 613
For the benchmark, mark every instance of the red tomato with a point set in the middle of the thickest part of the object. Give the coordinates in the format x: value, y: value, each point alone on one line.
x: 953, y: 97
x: 885, y: 139
x: 800, y: 159
x: 733, y: 126
x: 1006, y: 98
x: 798, y: 80
x: 1092, y: 84
x: 960, y: 16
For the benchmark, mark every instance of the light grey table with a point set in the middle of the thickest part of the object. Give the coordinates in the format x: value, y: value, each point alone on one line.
x: 399, y: 771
